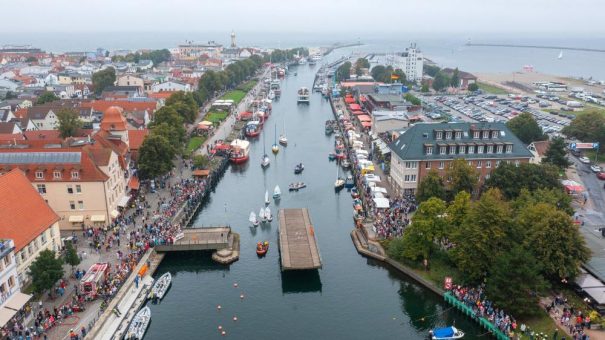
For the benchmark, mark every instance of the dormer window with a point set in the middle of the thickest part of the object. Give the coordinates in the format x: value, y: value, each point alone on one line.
x: 490, y: 149
x: 458, y: 134
x: 462, y: 149
x: 429, y: 150
x: 39, y: 174
x: 439, y: 135
x: 509, y: 148
x: 480, y: 149
x: 471, y: 149
x: 57, y: 174
x: 494, y: 134
x: 485, y: 134
x: 475, y: 134
x: 499, y: 149
x: 442, y: 150
x: 75, y: 175
x: 448, y: 135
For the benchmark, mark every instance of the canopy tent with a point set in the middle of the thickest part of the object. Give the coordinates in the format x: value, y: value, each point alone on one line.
x: 205, y: 122
x: 572, y: 186
x: 203, y: 127
x: 382, y: 203
x: 357, y: 113
x: 5, y: 315
x: 355, y: 107
x: 123, y: 201
x: 349, y: 100
x: 134, y: 183
x: 114, y: 214
x: 17, y: 301
x: 245, y: 114
x: 76, y: 219
x: 200, y: 173
x: 364, y: 118
x: 366, y: 124
x: 97, y: 218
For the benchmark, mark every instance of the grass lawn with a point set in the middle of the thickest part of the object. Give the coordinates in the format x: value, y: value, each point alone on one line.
x: 588, y: 109
x: 246, y: 87
x: 491, y: 89
x: 235, y: 95
x: 216, y: 117
x: 194, y: 144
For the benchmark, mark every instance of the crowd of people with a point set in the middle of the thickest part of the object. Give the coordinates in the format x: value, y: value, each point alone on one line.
x: 574, y: 320
x: 392, y: 221
x: 474, y: 298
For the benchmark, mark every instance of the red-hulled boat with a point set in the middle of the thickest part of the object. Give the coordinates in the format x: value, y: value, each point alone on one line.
x: 253, y: 128
x: 262, y: 248
x: 240, y: 150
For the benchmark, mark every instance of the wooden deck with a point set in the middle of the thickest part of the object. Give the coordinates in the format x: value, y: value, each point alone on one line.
x: 297, y: 243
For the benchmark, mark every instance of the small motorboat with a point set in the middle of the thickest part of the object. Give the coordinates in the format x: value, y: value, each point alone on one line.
x: 283, y: 140
x: 276, y: 193
x: 265, y: 161
x: 332, y: 156
x: 160, y: 287
x: 253, y: 219
x: 299, y: 168
x: 262, y: 248
x: 139, y: 324
x: 349, y: 182
x: 339, y: 183
x: 296, y: 186
x: 446, y: 333
x: 345, y: 164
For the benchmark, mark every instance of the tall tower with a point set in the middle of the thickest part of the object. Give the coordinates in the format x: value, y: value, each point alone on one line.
x: 232, y: 39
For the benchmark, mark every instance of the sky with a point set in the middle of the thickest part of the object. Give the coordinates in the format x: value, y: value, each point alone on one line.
x: 305, y: 16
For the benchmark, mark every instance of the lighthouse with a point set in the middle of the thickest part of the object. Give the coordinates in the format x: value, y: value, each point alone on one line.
x: 233, y: 39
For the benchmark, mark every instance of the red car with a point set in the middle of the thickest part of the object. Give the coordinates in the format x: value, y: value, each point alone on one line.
x: 601, y: 175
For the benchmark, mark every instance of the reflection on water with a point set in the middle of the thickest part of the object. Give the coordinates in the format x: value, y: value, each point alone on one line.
x: 301, y: 281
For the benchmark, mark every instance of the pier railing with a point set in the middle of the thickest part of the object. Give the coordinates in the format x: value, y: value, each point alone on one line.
x: 485, y: 323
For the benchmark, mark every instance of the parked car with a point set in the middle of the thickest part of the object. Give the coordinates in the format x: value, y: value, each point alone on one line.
x: 601, y: 175
x: 584, y: 160
x: 595, y: 168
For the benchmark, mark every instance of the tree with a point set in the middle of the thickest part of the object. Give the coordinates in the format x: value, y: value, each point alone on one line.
x: 412, y: 99
x: 46, y: 97
x: 343, y: 72
x: 71, y: 256
x: 555, y: 154
x: 513, y: 282
x: 360, y: 64
x: 155, y: 156
x: 455, y: 80
x: 68, y: 123
x: 440, y: 81
x: 556, y: 197
x: 511, y: 179
x: 184, y: 103
x: 103, y: 79
x: 378, y: 72
x: 201, y: 161
x: 168, y: 115
x: 398, y: 76
x: 524, y: 126
x: 427, y: 228
x: 473, y: 87
x: 31, y: 59
x: 431, y: 70
x: 461, y: 177
x: 553, y: 240
x: 424, y: 88
x: 431, y: 186
x: 45, y: 271
x: 174, y: 134
x: 589, y: 127
x: 457, y: 212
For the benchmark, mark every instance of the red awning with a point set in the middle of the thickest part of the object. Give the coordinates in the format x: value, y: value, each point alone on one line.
x: 354, y: 107
x: 134, y: 183
x: 245, y: 114
x: 366, y: 124
x: 349, y: 100
x: 357, y: 113
x: 364, y: 118
x: 200, y: 173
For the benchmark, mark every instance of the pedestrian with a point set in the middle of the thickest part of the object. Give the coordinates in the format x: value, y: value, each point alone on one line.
x: 136, y: 281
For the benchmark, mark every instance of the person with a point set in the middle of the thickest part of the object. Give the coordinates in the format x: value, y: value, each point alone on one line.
x: 136, y: 281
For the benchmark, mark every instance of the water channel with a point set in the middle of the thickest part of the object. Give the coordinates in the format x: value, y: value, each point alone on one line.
x: 350, y: 298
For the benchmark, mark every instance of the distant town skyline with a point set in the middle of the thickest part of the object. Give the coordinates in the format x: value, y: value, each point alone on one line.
x: 312, y: 16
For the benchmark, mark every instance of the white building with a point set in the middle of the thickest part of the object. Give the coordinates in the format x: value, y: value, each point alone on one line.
x: 170, y: 86
x: 410, y: 61
x: 11, y: 298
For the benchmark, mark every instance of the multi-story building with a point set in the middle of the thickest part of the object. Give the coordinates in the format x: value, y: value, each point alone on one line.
x: 426, y: 146
x: 9, y: 278
x: 409, y: 61
x: 26, y: 219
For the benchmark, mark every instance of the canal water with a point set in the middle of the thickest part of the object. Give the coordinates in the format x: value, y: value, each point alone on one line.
x: 352, y: 297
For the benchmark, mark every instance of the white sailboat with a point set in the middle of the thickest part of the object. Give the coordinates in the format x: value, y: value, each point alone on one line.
x: 265, y: 161
x: 253, y: 219
x: 267, y: 201
x: 282, y: 138
x: 261, y: 215
x: 268, y: 215
x: 560, y: 55
x: 276, y: 192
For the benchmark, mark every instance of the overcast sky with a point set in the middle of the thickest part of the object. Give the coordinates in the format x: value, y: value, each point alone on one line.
x: 359, y: 16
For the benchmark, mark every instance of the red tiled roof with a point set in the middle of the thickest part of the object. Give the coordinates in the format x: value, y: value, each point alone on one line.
x: 161, y: 95
x: 113, y: 119
x: 42, y: 134
x: 11, y: 137
x: 127, y: 106
x: 24, y: 214
x: 136, y: 138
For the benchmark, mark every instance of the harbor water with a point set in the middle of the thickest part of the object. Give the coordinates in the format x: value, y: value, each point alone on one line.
x: 352, y: 297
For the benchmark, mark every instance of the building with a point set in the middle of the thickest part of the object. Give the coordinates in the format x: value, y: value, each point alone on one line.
x: 383, y: 121
x: 426, y: 146
x: 26, y: 219
x: 538, y: 150
x: 465, y: 78
x: 11, y: 298
x: 130, y: 80
x: 171, y: 86
x: 194, y: 51
x: 411, y: 61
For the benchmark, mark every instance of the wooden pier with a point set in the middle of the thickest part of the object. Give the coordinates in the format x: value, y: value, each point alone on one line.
x: 297, y: 242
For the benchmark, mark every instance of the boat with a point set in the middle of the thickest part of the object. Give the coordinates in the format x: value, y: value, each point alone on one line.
x: 345, y: 164
x: 160, y: 287
x: 299, y: 168
x: 262, y: 248
x: 296, y: 186
x: 349, y: 182
x: 268, y: 214
x: 283, y: 140
x: 332, y: 156
x: 253, y: 128
x: 275, y: 147
x: 267, y: 197
x: 261, y: 215
x: 329, y: 129
x: 253, y: 219
x: 276, y: 193
x: 303, y: 95
x: 139, y: 324
x: 446, y: 333
x: 265, y: 161
x: 240, y: 150
x: 560, y: 55
x: 271, y: 95
x: 339, y: 183
x: 354, y: 193
x: 302, y: 61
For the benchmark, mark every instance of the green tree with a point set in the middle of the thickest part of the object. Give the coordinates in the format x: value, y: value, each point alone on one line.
x: 184, y: 103
x: 45, y: 271
x: 31, y: 59
x: 46, y: 97
x: 343, y: 72
x: 461, y: 177
x: 431, y: 186
x: 378, y: 72
x: 455, y: 79
x: 589, y: 127
x: 473, y: 87
x: 556, y: 154
x: 457, y: 212
x: 103, y: 79
x: 412, y: 99
x: 168, y: 115
x: 68, y: 123
x: 155, y: 156
x: 431, y: 70
x: 510, y: 178
x: 513, y: 282
x: 440, y: 81
x: 427, y: 228
x: 201, y: 161
x: 360, y: 64
x: 424, y: 88
x: 553, y: 239
x: 556, y: 197
x: 399, y: 75
x: 174, y: 134
x: 524, y: 126
x: 71, y: 256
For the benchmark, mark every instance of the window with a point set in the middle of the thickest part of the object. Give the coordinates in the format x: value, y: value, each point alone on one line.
x: 39, y: 175
x: 41, y: 188
x: 11, y: 281
x: 75, y: 175
x: 81, y: 205
x: 7, y: 261
x: 490, y: 149
x: 429, y: 150
x: 471, y: 149
x: 470, y: 163
x: 70, y: 189
x: 480, y: 149
x: 43, y: 238
x: 407, y: 178
x: 441, y: 165
x: 72, y: 205
x: 517, y: 163
x: 442, y: 150
x: 30, y: 249
x: 475, y: 134
x: 488, y: 164
x: 413, y: 178
x: 427, y: 165
x: 439, y: 135
x: 448, y: 135
x: 78, y: 188
x: 23, y: 255
x: 479, y: 164
x: 494, y: 134
x: 487, y: 176
x: 57, y: 174
x: 458, y: 134
x: 462, y: 149
x: 497, y: 163
x: 485, y: 134
x: 411, y: 165
x: 509, y: 148
x: 499, y: 149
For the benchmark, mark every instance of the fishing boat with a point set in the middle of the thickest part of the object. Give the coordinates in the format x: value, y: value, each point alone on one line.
x: 253, y: 128
x: 303, y: 95
x: 282, y: 138
x: 139, y: 324
x: 240, y: 150
x: 276, y: 193
x: 265, y: 161
x: 446, y: 333
x: 160, y: 287
x: 267, y: 197
x: 298, y: 169
x: 262, y: 248
x: 349, y: 182
x: 275, y: 147
x: 296, y: 186
x: 268, y: 214
x: 261, y: 215
x: 339, y: 183
x: 253, y: 219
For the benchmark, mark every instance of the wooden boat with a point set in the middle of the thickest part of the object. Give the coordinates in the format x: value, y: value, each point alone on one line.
x: 446, y: 333
x: 296, y: 186
x: 299, y: 168
x: 139, y: 324
x: 160, y: 287
x: 262, y: 248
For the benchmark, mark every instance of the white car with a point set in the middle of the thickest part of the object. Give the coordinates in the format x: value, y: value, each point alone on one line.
x: 584, y: 160
x: 595, y: 168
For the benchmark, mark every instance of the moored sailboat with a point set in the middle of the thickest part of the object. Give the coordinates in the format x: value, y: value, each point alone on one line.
x: 276, y: 193
x: 253, y: 219
x: 275, y: 147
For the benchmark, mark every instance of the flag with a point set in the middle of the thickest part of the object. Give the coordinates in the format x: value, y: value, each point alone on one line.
x: 394, y: 77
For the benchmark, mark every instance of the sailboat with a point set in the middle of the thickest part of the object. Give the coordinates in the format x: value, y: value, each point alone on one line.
x: 265, y: 160
x: 267, y: 197
x: 275, y: 147
x: 282, y: 138
x: 253, y: 219
x: 276, y: 192
x: 268, y: 215
x: 560, y: 55
x: 340, y: 183
x: 261, y: 215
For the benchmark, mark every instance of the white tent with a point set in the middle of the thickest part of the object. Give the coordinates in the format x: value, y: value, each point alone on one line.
x: 382, y: 203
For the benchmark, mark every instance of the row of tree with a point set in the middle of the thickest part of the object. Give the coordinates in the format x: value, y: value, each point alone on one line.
x: 279, y: 55
x: 157, y: 56
x: 588, y: 127
x: 388, y: 74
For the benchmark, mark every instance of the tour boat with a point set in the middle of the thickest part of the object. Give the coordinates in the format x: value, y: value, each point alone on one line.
x: 267, y: 197
x: 296, y: 186
x: 160, y: 287
x: 268, y: 214
x: 240, y: 150
x: 139, y: 324
x: 261, y: 215
x: 276, y: 192
x: 262, y: 248
x: 299, y: 168
x: 349, y: 182
x: 303, y: 95
x: 253, y: 219
x: 275, y: 147
x: 446, y: 333
x: 253, y: 128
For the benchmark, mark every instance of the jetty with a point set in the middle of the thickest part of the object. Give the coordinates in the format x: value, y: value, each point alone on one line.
x: 297, y: 242
x: 548, y: 47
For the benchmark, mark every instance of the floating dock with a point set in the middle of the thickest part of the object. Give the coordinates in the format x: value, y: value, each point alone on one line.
x: 297, y: 242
